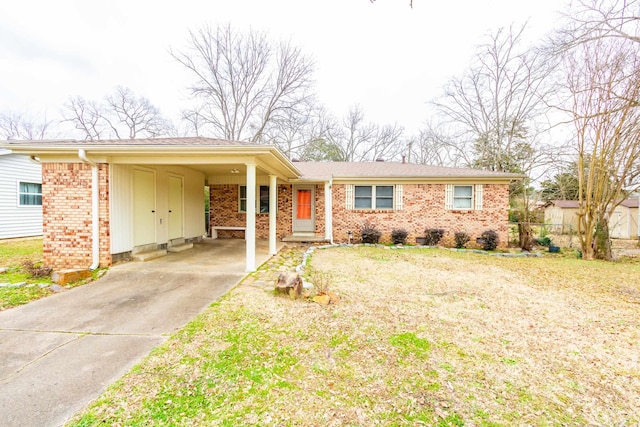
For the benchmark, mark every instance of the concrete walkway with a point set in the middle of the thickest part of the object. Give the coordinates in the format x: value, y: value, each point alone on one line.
x: 59, y: 353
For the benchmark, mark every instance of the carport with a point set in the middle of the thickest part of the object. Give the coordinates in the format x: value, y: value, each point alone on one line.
x: 103, y: 200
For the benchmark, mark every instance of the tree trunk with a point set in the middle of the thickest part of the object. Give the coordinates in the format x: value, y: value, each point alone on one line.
x: 525, y: 233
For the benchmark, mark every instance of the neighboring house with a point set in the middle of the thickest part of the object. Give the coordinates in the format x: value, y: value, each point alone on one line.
x: 20, y: 196
x: 107, y: 200
x: 562, y: 217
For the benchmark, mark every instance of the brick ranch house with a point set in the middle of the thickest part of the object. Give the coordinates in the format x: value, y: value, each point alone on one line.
x: 107, y: 200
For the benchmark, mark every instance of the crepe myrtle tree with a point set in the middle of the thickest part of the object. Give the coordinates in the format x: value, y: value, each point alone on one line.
x: 243, y: 83
x: 603, y: 78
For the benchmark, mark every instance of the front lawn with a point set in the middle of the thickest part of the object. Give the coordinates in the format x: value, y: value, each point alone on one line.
x: 13, y: 254
x: 419, y: 337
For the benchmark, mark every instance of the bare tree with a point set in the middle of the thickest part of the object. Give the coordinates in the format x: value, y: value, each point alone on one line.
x: 243, y: 82
x: 121, y: 114
x: 361, y: 141
x: 14, y: 125
x: 136, y: 114
x: 604, y: 80
x: 499, y: 106
x: 293, y: 131
x: 591, y: 20
x: 435, y: 147
x: 86, y: 116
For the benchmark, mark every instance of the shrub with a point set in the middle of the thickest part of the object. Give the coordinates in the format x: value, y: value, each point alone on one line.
x: 543, y: 241
x: 35, y: 270
x: 461, y: 238
x: 433, y: 236
x: 370, y: 234
x: 490, y: 240
x: 399, y: 236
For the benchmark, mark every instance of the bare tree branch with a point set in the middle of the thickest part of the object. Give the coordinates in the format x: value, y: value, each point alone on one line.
x: 243, y: 82
x: 15, y: 125
x: 122, y: 113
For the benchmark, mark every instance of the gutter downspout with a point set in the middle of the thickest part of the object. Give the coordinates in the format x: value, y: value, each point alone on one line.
x: 95, y: 214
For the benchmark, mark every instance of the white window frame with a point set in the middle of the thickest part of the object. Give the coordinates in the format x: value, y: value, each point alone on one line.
x: 463, y: 202
x: 374, y: 196
x: 259, y: 203
x: 475, y: 200
x: 21, y: 193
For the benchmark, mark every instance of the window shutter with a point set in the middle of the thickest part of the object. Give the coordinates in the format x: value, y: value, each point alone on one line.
x: 448, y: 197
x: 398, y: 198
x: 349, y: 191
x: 478, y: 197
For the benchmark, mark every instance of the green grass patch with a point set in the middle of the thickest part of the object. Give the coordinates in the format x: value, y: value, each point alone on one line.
x: 13, y: 254
x: 410, y: 344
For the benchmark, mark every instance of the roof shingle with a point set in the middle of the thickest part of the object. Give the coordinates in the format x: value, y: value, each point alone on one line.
x: 328, y: 170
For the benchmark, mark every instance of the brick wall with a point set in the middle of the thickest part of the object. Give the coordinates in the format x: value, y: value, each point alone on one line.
x: 224, y: 211
x: 66, y: 208
x: 423, y: 207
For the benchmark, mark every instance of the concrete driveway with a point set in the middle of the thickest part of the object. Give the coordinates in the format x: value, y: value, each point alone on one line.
x: 59, y: 353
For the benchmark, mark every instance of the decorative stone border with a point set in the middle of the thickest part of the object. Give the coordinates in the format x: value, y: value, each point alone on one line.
x: 308, y: 252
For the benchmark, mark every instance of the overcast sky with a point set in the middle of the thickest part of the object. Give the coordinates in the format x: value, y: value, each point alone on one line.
x: 386, y: 57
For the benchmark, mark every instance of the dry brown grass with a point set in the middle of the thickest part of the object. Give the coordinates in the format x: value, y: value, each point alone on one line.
x: 420, y: 337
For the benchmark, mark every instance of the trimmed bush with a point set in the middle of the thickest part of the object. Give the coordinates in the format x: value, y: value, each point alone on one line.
x: 461, y: 238
x: 370, y: 234
x: 490, y: 240
x: 433, y: 236
x: 399, y: 236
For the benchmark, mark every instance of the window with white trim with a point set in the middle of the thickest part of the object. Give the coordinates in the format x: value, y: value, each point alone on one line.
x: 463, y: 197
x: 29, y: 194
x: 373, y: 196
x: 263, y: 199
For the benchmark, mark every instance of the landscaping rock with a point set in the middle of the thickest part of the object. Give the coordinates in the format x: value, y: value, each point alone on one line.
x: 64, y: 277
x: 322, y: 299
x: 289, y: 283
x: 3, y: 270
x: 17, y: 285
x: 56, y: 288
x: 4, y: 285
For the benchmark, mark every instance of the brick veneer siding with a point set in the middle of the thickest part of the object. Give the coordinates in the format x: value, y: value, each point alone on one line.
x: 66, y: 208
x: 224, y: 211
x: 423, y: 207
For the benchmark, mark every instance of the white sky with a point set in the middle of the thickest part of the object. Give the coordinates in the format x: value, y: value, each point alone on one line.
x: 385, y: 56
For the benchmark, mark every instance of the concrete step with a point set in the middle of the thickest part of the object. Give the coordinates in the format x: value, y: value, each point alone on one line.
x: 179, y: 248
x: 149, y: 255
x: 304, y: 238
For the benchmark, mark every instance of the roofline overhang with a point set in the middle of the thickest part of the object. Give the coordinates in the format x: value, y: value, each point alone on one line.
x: 43, y: 149
x: 431, y: 178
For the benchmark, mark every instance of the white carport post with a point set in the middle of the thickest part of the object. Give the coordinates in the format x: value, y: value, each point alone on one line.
x: 250, y: 233
x: 328, y: 211
x: 273, y: 208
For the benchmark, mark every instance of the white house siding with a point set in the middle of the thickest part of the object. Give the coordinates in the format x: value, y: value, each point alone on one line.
x: 16, y: 220
x: 122, y: 204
